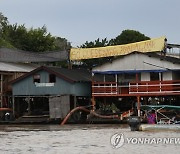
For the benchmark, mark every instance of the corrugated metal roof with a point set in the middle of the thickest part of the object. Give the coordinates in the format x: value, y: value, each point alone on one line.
x: 16, y: 67
x: 166, y: 58
x: 75, y: 75
x: 70, y: 75
x: 15, y: 55
x: 150, y: 54
x: 173, y: 46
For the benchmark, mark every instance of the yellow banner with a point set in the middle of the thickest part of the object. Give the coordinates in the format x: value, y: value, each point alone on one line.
x: 152, y: 45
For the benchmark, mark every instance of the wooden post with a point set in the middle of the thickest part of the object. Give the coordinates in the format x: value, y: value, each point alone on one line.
x: 116, y: 79
x: 13, y: 105
x: 138, y: 105
x: 68, y: 49
x: 69, y: 61
x: 1, y: 92
x: 137, y: 84
x: 93, y: 99
x: 93, y: 103
x: 160, y: 79
x: 75, y: 101
x: 29, y: 106
x: 137, y: 78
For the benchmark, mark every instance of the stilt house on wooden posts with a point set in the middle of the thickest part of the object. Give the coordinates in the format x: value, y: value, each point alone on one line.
x: 51, y: 91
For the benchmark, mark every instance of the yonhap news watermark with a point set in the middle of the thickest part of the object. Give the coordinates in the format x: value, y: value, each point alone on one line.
x: 118, y: 140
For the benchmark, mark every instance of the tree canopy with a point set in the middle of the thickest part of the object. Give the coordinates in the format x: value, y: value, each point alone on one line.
x: 33, y: 39
x: 96, y: 43
x: 3, y: 23
x: 39, y: 40
x: 127, y: 36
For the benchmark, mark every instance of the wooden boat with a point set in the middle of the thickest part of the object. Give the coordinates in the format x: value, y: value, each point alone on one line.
x: 166, y: 117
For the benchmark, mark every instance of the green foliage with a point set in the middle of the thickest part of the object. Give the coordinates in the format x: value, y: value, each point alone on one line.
x: 95, y: 44
x: 37, y: 40
x: 15, y: 35
x: 3, y: 21
x: 127, y: 36
x: 4, y: 43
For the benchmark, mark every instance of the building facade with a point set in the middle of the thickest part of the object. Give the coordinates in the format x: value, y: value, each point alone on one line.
x: 138, y: 77
x: 8, y: 72
x: 51, y: 90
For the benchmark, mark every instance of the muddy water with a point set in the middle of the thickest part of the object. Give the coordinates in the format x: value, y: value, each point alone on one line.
x: 77, y: 139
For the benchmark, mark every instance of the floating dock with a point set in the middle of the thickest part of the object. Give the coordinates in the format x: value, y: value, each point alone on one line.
x: 159, y: 127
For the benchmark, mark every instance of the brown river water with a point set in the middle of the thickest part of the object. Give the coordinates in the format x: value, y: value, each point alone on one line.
x: 81, y: 139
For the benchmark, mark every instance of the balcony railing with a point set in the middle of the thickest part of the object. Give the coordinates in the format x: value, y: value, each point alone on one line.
x: 133, y: 88
x: 154, y: 87
x: 104, y: 88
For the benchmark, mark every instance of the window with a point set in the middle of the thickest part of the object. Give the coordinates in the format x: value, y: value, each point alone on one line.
x: 52, y: 78
x: 36, y: 78
x: 154, y: 76
x: 129, y: 77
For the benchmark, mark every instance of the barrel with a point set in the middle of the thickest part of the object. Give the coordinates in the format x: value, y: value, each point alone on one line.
x: 134, y: 123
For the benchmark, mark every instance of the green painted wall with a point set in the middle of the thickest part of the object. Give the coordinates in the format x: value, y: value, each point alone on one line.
x: 28, y: 87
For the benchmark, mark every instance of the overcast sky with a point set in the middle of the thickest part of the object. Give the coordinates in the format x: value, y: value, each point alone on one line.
x: 86, y: 20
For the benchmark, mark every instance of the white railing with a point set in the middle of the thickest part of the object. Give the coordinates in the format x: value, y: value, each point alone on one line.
x: 104, y: 88
x: 146, y: 87
x: 154, y: 87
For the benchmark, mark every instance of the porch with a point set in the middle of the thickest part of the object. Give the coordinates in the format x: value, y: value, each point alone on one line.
x: 139, y: 88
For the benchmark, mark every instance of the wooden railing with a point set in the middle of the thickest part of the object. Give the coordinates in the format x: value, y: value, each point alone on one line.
x: 154, y: 87
x: 104, y: 88
x: 142, y: 87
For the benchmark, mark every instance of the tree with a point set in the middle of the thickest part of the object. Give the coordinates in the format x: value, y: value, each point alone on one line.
x: 15, y: 35
x: 89, y: 63
x: 128, y: 36
x: 61, y: 44
x: 95, y: 44
x: 37, y: 40
x: 3, y: 23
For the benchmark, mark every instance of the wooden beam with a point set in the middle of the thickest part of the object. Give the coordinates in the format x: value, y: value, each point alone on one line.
x: 1, y: 92
x: 138, y: 105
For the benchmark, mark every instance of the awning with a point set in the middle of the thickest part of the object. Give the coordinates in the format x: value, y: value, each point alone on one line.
x: 156, y: 107
x: 128, y: 71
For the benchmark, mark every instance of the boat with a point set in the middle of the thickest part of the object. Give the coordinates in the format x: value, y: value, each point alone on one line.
x: 167, y: 117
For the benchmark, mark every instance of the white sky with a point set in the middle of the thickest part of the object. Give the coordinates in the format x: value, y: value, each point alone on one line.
x: 86, y: 20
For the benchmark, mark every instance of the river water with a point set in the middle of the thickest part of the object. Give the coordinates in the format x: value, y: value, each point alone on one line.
x: 80, y: 139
